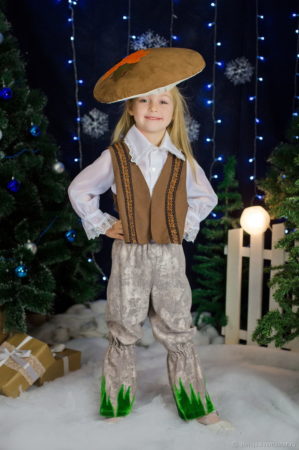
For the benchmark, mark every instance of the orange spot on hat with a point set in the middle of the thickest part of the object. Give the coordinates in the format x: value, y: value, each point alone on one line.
x: 130, y: 59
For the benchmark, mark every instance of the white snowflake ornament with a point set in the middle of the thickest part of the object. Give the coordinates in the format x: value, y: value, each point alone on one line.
x: 192, y: 128
x: 239, y: 71
x: 148, y: 40
x: 95, y: 123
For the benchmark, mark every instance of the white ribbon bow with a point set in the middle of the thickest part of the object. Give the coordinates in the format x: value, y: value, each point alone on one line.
x: 18, y: 356
x: 5, y: 353
x: 57, y: 349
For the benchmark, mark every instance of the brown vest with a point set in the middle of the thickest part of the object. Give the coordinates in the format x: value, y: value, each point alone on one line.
x: 144, y: 218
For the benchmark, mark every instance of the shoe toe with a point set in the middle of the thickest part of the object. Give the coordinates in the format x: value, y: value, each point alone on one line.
x: 113, y: 419
x: 222, y: 425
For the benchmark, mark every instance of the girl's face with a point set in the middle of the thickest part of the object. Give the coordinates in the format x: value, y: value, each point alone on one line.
x: 152, y: 114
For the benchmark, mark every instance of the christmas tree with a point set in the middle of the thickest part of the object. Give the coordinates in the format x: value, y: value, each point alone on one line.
x: 45, y: 256
x: 281, y: 188
x: 211, y: 266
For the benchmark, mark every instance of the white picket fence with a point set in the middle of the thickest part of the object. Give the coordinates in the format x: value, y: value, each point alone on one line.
x: 256, y: 254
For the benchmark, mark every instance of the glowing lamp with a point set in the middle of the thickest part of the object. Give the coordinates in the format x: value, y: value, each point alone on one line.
x: 255, y: 220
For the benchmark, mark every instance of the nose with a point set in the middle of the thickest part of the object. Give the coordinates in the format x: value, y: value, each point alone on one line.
x: 153, y: 106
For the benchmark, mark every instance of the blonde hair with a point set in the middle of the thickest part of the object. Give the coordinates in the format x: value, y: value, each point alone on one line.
x: 176, y: 129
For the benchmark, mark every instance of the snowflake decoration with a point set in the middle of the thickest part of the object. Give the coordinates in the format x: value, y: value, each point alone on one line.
x: 239, y: 71
x: 148, y: 40
x: 192, y: 128
x: 95, y: 123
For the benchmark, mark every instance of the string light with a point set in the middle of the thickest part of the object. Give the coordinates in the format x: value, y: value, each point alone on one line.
x: 295, y: 97
x: 15, y: 155
x: 172, y: 16
x: 128, y: 18
x: 252, y: 160
x: 98, y: 267
x: 211, y: 101
x: 78, y: 103
x: 73, y: 61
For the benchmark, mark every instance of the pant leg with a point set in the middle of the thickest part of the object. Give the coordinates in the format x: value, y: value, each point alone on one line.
x: 171, y: 320
x: 128, y: 294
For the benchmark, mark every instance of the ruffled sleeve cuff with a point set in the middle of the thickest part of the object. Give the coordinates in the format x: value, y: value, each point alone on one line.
x: 190, y: 234
x: 99, y: 225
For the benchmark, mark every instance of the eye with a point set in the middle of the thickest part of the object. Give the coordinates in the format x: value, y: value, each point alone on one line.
x: 142, y: 100
x: 164, y: 101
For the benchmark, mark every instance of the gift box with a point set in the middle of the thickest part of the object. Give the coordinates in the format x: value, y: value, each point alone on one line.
x: 66, y: 361
x: 23, y: 359
x: 3, y: 335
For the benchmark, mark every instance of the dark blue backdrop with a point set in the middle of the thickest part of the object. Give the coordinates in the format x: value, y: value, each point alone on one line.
x: 101, y: 40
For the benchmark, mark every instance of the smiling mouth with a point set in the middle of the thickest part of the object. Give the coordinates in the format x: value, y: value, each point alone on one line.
x: 153, y: 118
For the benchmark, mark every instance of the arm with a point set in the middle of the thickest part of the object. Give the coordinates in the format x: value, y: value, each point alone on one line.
x: 201, y: 200
x: 84, y: 192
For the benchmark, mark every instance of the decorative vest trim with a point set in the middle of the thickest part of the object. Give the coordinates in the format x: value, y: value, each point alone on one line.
x: 160, y: 217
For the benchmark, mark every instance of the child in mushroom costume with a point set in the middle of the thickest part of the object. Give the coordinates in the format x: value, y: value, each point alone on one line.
x: 161, y: 195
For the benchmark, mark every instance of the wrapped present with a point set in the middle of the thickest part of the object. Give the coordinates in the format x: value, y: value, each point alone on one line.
x: 23, y: 359
x: 3, y: 334
x: 66, y: 360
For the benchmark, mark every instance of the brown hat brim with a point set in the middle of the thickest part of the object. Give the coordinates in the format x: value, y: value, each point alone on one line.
x: 146, y: 70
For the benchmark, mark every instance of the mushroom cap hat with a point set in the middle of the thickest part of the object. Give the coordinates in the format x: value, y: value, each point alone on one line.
x: 148, y: 71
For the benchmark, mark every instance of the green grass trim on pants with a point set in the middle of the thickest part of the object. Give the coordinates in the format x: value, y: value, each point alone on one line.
x: 124, y: 404
x: 191, y: 407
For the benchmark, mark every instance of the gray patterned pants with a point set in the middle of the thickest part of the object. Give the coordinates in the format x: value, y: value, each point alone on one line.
x: 150, y: 280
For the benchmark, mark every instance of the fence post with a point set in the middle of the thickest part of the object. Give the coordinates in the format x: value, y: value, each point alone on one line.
x: 233, y: 286
x: 256, y: 254
x: 255, y: 286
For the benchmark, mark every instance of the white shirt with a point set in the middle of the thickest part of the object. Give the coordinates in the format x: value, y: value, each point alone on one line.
x: 85, y: 189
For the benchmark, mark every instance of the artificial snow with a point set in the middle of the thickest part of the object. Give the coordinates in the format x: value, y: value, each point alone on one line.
x: 255, y: 388
x: 88, y: 320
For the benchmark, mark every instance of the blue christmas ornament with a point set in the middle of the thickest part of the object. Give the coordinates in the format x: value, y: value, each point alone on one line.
x: 34, y: 130
x: 21, y: 271
x: 13, y: 185
x: 5, y: 93
x: 71, y: 235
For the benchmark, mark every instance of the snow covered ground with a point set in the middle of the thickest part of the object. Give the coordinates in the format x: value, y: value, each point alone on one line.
x: 256, y: 388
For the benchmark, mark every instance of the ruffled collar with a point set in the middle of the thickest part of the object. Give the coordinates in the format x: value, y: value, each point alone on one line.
x: 139, y: 146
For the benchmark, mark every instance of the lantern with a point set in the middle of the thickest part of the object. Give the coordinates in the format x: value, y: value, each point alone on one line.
x: 255, y: 220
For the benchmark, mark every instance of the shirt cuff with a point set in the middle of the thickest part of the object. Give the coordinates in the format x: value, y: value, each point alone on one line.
x: 190, y: 234
x: 94, y: 231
